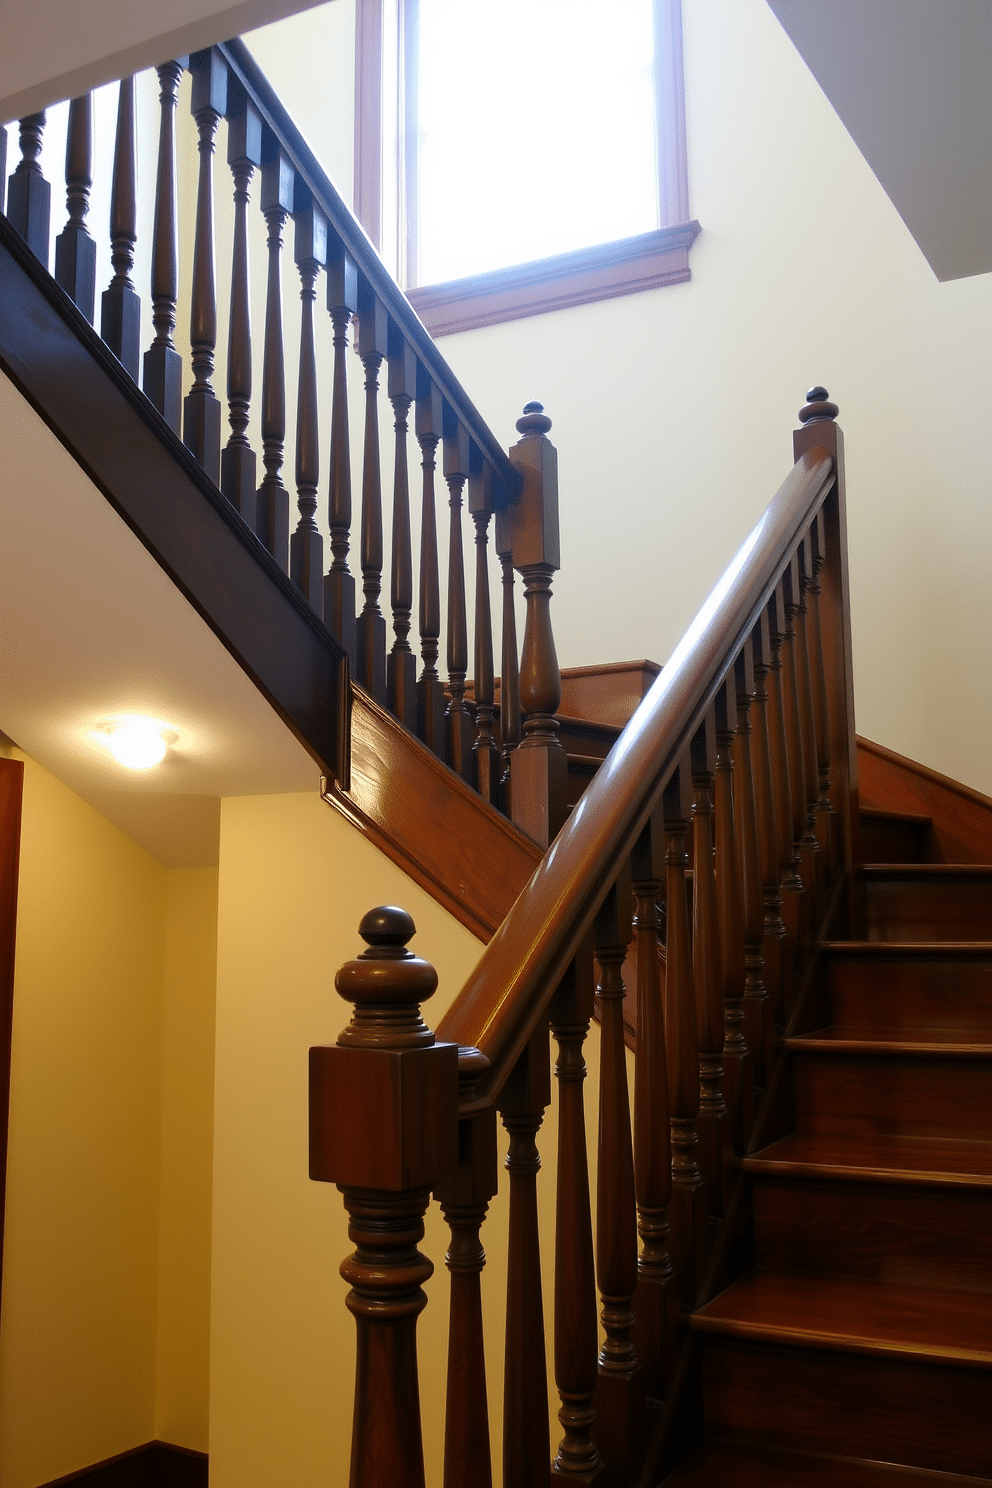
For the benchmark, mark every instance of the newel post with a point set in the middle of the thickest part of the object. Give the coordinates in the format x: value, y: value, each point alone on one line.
x: 820, y: 430
x: 538, y: 767
x: 384, y: 1128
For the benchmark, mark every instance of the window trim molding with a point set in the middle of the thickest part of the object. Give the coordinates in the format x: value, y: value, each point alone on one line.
x: 624, y: 266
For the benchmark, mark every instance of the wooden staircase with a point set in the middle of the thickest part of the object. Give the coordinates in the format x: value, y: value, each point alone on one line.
x: 858, y: 1350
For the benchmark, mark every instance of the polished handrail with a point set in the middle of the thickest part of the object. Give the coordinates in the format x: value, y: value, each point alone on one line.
x: 360, y: 248
x: 499, y: 1007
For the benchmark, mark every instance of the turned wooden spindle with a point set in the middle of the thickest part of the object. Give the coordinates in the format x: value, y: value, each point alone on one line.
x: 457, y: 719
x: 657, y: 1296
x: 120, y: 305
x: 430, y: 691
x: 401, y: 664
x: 272, y: 498
x: 617, y: 1419
x: 75, y: 250
x: 464, y: 1196
x: 201, y: 407
x: 707, y: 967
x: 526, y: 1431
x: 778, y: 753
x: 576, y: 1342
x: 3, y: 167
x: 306, y: 546
x: 339, y: 582
x: 485, y: 750
x: 777, y: 950
x: 802, y: 849
x: 29, y: 195
x: 826, y: 817
x: 384, y: 1128
x: 687, y: 1209
x: 736, y: 1058
x: 538, y: 768
x: 370, y: 627
x: 812, y: 852
x: 509, y: 682
x: 759, y: 1026
x: 238, y: 468
x: 163, y: 369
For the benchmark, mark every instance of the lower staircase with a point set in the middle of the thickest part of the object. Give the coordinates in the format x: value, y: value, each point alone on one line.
x: 858, y: 1348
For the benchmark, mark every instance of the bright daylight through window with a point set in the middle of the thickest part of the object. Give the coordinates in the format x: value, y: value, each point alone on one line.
x: 536, y: 130
x: 520, y: 157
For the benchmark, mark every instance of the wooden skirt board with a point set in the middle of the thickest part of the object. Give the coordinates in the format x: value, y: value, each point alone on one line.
x: 154, y: 1465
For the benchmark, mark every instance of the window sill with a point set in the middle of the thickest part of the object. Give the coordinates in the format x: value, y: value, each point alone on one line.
x: 646, y: 261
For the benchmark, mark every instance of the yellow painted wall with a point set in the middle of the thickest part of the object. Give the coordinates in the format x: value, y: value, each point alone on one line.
x: 79, y: 1287
x: 295, y: 879
x: 105, y: 1325
x: 189, y: 999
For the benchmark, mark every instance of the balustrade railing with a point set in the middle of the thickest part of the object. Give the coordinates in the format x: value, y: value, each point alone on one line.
x: 351, y: 552
x: 743, y: 749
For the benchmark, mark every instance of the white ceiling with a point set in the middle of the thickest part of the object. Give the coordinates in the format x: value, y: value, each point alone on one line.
x: 912, y: 82
x: 85, y: 637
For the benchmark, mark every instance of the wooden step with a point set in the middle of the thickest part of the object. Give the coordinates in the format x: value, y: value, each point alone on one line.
x: 736, y: 1465
x: 937, y: 901
x: 840, y: 1365
x: 816, y: 1212
x: 895, y: 836
x: 883, y: 987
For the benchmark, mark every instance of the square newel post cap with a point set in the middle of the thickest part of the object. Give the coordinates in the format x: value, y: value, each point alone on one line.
x: 534, y: 517
x: 384, y: 1098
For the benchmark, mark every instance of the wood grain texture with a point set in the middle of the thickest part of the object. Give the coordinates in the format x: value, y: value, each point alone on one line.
x: 962, y: 817
x: 933, y: 902
x: 80, y: 389
x: 883, y: 1407
x: 748, y: 1466
x: 432, y: 824
x: 154, y: 1465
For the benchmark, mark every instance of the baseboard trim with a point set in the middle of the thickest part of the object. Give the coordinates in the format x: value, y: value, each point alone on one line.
x: 154, y: 1465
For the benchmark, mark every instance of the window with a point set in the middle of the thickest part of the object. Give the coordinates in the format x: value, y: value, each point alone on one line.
x: 490, y: 209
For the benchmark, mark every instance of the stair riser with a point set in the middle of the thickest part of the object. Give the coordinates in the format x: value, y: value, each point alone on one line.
x: 887, y: 1409
x: 897, y: 1096
x: 891, y: 842
x: 947, y: 908
x: 906, y: 1235
x: 888, y: 994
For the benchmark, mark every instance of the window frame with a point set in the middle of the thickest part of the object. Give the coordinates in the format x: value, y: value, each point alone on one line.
x: 386, y: 188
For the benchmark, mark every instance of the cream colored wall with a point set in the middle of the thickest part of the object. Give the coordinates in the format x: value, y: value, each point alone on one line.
x: 673, y: 410
x: 104, y: 1340
x: 80, y: 1252
x: 188, y: 1011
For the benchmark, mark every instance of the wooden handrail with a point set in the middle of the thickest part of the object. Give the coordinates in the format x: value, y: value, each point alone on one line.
x: 499, y: 1007
x: 358, y: 246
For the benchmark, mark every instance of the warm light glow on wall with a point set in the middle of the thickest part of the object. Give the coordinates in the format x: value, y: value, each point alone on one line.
x: 136, y: 742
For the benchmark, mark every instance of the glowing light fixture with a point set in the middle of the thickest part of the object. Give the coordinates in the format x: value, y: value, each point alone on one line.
x: 137, y: 743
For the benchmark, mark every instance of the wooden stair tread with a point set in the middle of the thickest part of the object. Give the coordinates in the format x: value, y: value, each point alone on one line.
x: 895, y: 949
x: 829, y: 1312
x: 845, y: 1038
x: 885, y: 1160
x: 744, y: 1466
x: 925, y: 871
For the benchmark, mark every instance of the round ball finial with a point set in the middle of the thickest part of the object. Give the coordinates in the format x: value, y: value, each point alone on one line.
x: 818, y: 406
x: 533, y: 420
x: 387, y: 983
x: 387, y: 928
